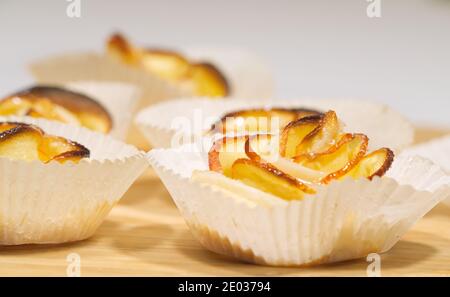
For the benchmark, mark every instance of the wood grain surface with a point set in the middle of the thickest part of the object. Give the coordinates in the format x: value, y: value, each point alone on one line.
x: 145, y: 236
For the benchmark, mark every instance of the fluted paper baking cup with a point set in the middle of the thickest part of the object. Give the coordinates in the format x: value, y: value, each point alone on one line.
x: 248, y: 75
x: 190, y: 119
x: 54, y: 203
x: 95, y: 67
x: 120, y: 100
x: 344, y: 220
x: 437, y: 150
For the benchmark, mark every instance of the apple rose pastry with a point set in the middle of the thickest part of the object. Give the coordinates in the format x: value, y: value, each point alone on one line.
x: 53, y: 189
x: 58, y: 104
x: 311, y: 150
x: 311, y: 194
x: 201, y: 79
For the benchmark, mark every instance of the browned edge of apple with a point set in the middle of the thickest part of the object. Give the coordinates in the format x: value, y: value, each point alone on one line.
x: 386, y: 164
x: 18, y: 128
x: 73, y: 156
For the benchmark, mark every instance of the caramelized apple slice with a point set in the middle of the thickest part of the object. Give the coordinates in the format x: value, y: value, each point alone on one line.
x: 264, y: 149
x: 58, y: 104
x: 295, y: 132
x: 27, y: 142
x: 224, y: 152
x: 339, y: 159
x: 120, y: 48
x: 376, y: 163
x: 20, y: 142
x: 322, y: 137
x: 259, y: 120
x: 269, y: 179
x: 166, y: 64
x: 208, y: 80
x: 53, y: 148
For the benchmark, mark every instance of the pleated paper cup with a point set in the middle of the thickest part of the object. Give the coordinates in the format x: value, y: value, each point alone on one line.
x: 55, y: 203
x: 438, y: 151
x: 165, y: 123
x: 248, y: 75
x: 119, y: 99
x: 96, y: 67
x: 345, y: 220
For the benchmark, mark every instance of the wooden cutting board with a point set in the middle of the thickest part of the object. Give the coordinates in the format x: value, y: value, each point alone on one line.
x: 145, y: 236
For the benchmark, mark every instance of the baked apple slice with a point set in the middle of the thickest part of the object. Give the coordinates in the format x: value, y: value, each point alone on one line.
x: 166, y: 64
x: 58, y: 104
x: 295, y: 132
x: 374, y: 164
x: 264, y: 149
x: 225, y: 152
x: 259, y: 120
x: 203, y: 79
x: 208, y: 80
x: 339, y: 159
x: 118, y: 47
x: 19, y: 141
x: 27, y: 142
x: 322, y: 137
x: 54, y: 148
x: 269, y: 179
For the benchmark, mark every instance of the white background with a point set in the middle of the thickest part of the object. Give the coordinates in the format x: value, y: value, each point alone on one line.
x: 316, y: 48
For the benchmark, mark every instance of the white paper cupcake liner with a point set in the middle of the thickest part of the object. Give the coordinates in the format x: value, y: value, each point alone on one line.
x: 437, y: 150
x: 248, y: 75
x: 161, y: 122
x: 119, y: 99
x: 54, y: 203
x: 344, y: 220
x: 95, y: 67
